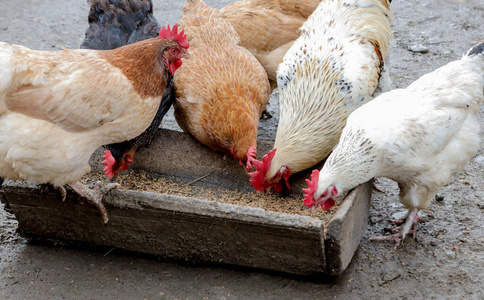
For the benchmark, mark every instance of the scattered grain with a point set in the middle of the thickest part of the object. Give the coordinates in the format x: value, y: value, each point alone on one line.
x: 142, y: 181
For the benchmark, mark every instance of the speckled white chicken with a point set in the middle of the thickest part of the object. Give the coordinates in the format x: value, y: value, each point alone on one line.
x: 418, y: 136
x: 332, y: 68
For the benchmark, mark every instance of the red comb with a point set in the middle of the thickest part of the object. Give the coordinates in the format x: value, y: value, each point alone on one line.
x: 258, y: 178
x: 312, y: 187
x: 109, y: 161
x: 174, y: 35
x: 251, y: 155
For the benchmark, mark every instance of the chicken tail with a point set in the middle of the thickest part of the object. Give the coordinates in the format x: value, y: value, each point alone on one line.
x: 476, y: 55
x: 113, y: 24
x: 477, y: 50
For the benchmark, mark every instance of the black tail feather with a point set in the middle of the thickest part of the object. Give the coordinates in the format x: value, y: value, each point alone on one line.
x: 115, y: 23
x: 477, y: 49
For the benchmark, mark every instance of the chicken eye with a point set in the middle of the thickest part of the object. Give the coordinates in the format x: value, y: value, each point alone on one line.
x: 174, y: 51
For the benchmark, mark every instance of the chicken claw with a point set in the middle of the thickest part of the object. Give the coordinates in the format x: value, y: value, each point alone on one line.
x: 62, y: 191
x: 408, y: 226
x: 377, y: 188
x: 95, y: 196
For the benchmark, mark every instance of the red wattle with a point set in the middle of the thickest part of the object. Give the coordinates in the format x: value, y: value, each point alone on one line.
x: 327, y: 204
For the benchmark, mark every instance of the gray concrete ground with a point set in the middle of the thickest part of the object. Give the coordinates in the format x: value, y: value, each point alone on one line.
x: 446, y: 261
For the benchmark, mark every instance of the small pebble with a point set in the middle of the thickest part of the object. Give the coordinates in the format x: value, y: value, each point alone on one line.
x: 419, y: 48
x: 479, y: 160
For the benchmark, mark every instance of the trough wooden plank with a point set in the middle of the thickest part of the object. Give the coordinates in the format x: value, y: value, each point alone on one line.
x: 346, y: 228
x: 176, y: 227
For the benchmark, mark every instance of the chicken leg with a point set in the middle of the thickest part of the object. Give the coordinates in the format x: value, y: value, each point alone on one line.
x: 409, y: 225
x: 94, y: 196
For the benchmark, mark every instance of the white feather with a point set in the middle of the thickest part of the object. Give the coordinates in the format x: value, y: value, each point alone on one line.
x: 418, y: 136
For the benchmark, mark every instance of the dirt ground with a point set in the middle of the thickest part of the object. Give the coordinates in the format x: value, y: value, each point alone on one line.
x: 445, y: 261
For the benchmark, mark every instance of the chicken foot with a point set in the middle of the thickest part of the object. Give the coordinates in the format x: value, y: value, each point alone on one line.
x: 94, y: 196
x: 62, y: 191
x: 409, y: 225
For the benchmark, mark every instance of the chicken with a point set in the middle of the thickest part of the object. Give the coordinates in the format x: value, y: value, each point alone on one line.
x: 115, y: 24
x: 57, y: 107
x: 221, y: 89
x: 418, y: 136
x: 268, y: 28
x: 332, y: 68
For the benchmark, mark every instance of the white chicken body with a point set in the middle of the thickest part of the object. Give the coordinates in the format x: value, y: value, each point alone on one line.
x: 332, y: 68
x: 49, y: 122
x: 418, y: 136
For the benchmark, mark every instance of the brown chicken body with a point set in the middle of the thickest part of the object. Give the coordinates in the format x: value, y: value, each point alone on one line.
x: 221, y: 89
x: 268, y: 28
x: 56, y: 108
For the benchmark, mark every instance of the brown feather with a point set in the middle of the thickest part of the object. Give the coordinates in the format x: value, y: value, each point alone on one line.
x: 141, y: 63
x: 221, y: 89
x: 268, y: 28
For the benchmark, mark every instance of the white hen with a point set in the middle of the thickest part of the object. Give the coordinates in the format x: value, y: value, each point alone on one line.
x: 418, y: 136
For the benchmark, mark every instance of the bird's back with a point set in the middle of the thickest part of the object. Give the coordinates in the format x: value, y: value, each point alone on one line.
x: 267, y: 25
x: 115, y: 23
x: 268, y: 28
x: 206, y: 25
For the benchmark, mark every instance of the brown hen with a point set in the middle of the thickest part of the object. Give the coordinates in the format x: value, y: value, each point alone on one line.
x: 221, y: 89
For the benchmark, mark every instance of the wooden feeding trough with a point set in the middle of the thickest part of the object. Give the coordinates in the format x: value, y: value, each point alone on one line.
x: 189, y: 228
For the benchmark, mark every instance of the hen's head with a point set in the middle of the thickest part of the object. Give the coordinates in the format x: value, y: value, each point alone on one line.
x: 113, y: 165
x: 313, y: 199
x: 259, y: 179
x: 173, y: 55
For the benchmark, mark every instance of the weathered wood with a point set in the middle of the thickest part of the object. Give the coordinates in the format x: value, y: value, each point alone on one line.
x: 176, y: 227
x: 346, y: 228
